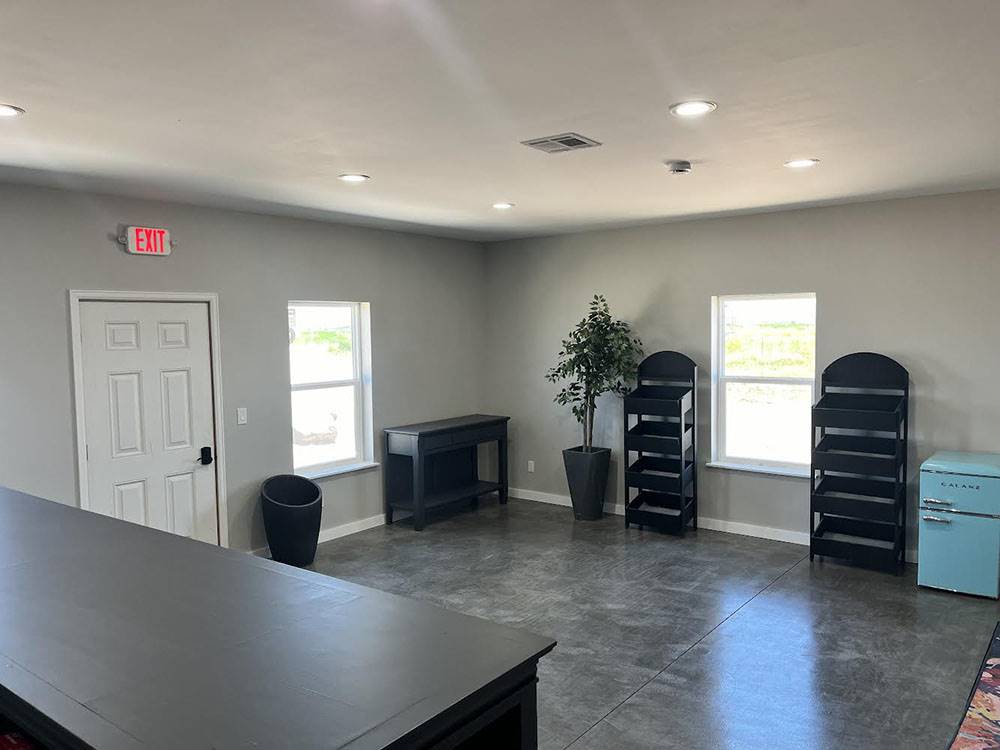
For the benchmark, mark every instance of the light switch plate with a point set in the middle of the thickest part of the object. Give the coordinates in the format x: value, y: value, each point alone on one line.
x: 531, y: 467
x: 241, y: 415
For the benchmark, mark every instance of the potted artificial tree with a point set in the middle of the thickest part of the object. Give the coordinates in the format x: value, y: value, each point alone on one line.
x: 599, y: 356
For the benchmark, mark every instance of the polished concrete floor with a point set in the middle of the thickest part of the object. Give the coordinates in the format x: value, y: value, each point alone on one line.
x: 712, y: 641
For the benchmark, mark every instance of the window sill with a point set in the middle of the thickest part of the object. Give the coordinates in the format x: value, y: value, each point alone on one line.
x: 778, y: 471
x: 337, y: 471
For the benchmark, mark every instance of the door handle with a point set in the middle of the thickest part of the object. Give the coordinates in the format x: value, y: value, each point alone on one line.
x: 206, y: 455
x: 935, y: 501
x: 935, y: 519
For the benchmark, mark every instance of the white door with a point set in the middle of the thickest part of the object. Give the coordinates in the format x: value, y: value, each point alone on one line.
x: 147, y: 376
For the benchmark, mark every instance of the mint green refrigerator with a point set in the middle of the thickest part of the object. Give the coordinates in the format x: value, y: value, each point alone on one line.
x: 959, y: 523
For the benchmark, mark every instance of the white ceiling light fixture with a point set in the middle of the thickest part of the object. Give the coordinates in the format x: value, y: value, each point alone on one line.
x: 503, y: 205
x: 353, y: 178
x: 9, y: 110
x: 694, y: 108
x: 801, y: 163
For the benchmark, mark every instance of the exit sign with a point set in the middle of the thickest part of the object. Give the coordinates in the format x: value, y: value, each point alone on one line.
x: 147, y: 241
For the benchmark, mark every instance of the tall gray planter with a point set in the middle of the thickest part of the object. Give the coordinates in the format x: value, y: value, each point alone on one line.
x: 292, y: 508
x: 587, y: 476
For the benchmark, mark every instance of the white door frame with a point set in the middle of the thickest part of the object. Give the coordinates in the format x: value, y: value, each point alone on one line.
x: 76, y: 296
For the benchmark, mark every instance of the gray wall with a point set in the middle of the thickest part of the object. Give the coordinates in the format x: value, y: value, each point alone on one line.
x: 459, y: 328
x: 915, y: 279
x: 427, y: 328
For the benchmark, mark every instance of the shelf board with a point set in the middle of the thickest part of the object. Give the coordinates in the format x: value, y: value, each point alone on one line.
x: 663, y: 392
x: 658, y: 509
x: 443, y: 497
x: 880, y: 501
x: 856, y: 445
x: 860, y: 402
x: 859, y: 411
x: 660, y: 499
x: 659, y: 474
x: 659, y: 466
x: 868, y: 543
x: 866, y: 530
x: 866, y: 508
x: 862, y: 540
x: 856, y: 454
x: 646, y: 428
x: 852, y: 487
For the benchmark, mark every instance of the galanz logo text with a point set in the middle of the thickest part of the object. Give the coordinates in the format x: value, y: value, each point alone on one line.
x: 960, y: 486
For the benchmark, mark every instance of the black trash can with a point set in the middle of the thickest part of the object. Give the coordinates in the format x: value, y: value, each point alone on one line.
x: 292, y: 506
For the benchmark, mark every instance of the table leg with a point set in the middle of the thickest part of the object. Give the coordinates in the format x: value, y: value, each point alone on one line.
x: 418, y: 492
x: 502, y: 469
x: 529, y: 716
x: 386, y: 468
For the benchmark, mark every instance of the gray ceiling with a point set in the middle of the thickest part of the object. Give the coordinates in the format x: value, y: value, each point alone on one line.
x: 259, y: 104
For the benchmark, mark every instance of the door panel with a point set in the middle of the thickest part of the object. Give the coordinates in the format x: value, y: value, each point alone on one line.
x: 130, y: 501
x: 175, y: 387
x: 181, y: 504
x: 122, y: 336
x: 173, y: 335
x: 125, y: 407
x: 148, y: 411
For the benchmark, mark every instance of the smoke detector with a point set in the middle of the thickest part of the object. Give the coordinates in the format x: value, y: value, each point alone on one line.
x: 553, y: 144
x: 678, y: 166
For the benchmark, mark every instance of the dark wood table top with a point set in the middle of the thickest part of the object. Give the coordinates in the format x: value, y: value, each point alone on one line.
x: 127, y: 637
x: 443, y: 425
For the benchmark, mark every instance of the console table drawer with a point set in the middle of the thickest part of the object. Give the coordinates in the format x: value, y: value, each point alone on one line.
x: 493, y: 432
x: 433, y: 442
x: 462, y: 437
x: 467, y: 437
x: 480, y: 435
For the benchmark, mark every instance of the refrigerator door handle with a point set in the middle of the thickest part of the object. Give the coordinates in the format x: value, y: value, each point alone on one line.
x: 936, y: 519
x: 935, y: 501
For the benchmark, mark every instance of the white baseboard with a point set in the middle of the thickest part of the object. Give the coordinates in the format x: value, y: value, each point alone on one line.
x: 749, y: 529
x: 335, y: 532
x: 716, y: 524
x: 547, y: 497
x: 352, y: 527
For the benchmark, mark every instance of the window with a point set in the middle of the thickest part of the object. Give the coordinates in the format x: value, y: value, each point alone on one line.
x: 329, y: 363
x: 763, y: 376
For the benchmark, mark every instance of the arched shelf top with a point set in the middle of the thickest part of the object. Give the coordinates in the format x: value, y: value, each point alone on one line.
x: 866, y: 370
x: 668, y: 365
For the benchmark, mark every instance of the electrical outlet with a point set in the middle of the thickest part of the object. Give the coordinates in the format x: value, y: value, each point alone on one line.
x: 531, y: 467
x: 241, y: 415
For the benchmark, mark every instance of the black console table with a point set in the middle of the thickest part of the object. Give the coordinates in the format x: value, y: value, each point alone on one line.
x: 435, y: 463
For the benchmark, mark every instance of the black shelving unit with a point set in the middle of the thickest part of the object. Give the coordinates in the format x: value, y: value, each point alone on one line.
x: 661, y: 415
x: 858, y: 477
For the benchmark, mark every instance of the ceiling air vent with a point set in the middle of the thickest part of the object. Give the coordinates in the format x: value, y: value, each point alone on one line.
x: 553, y: 144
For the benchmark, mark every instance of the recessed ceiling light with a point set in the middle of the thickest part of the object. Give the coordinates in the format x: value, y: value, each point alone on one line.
x: 693, y: 108
x: 349, y: 177
x: 9, y: 110
x: 679, y: 166
x: 503, y: 206
x: 801, y: 163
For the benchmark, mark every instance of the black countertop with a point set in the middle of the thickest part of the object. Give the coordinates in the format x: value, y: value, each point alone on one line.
x: 117, y: 636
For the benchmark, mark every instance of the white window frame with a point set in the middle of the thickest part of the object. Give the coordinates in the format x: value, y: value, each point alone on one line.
x: 720, y: 379
x: 361, y: 382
